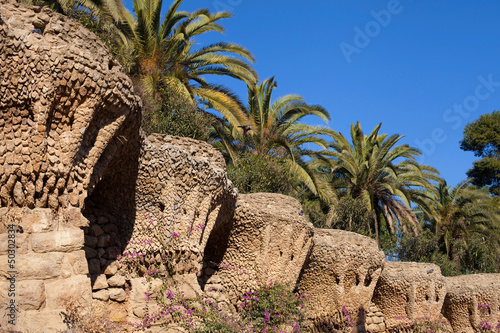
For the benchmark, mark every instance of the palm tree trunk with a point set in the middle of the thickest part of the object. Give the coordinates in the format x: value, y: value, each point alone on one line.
x: 375, y: 222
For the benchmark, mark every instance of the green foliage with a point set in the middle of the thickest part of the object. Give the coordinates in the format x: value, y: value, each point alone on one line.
x: 483, y: 138
x: 383, y: 175
x: 255, y: 173
x: 461, y: 213
x: 461, y: 234
x: 202, y: 314
x: 272, y: 129
x: 474, y: 256
x: 351, y: 215
x: 164, y: 53
x: 417, y: 248
x: 171, y: 114
x: 217, y: 320
x: 272, y: 306
x: 483, y: 135
x: 107, y: 10
x: 486, y: 172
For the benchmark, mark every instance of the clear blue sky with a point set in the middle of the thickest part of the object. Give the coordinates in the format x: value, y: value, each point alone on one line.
x: 422, y: 68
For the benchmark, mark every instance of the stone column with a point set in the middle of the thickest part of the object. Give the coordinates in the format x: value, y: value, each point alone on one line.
x: 42, y: 266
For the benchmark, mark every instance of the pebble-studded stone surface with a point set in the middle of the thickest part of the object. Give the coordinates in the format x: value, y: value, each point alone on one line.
x: 341, y: 270
x: 267, y: 244
x: 46, y: 259
x: 472, y: 302
x: 408, y: 292
x: 64, y: 101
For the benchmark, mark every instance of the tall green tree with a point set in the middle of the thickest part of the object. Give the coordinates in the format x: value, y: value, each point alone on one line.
x: 166, y: 56
x: 483, y: 138
x: 461, y: 233
x: 272, y: 128
x: 385, y: 176
x: 462, y: 211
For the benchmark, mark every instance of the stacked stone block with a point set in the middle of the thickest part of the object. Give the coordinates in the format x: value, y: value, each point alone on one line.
x: 50, y: 266
x: 374, y: 319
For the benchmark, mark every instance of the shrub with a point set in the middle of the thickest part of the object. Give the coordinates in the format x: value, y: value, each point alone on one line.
x: 256, y: 173
x: 484, y: 325
x: 83, y: 318
x: 351, y: 215
x: 172, y: 114
x: 273, y: 306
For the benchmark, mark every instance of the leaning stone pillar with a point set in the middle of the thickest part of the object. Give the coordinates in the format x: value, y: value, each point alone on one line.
x: 409, y: 291
x: 341, y: 272
x: 473, y: 302
x: 268, y: 243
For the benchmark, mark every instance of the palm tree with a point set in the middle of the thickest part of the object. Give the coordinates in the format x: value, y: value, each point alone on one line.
x: 273, y: 129
x: 165, y: 53
x: 383, y: 175
x: 461, y: 212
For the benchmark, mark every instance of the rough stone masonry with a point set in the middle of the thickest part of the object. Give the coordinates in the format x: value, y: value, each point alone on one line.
x: 80, y: 185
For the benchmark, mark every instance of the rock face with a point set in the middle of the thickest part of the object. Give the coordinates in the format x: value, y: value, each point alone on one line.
x: 268, y: 242
x: 472, y: 302
x: 181, y: 187
x: 181, y: 192
x: 42, y: 265
x: 67, y: 112
x: 66, y: 108
x: 408, y: 291
x: 341, y: 270
x: 80, y: 186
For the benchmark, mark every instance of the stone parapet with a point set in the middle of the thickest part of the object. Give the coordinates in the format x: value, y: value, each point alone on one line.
x: 407, y: 292
x: 341, y: 270
x: 65, y: 102
x: 42, y: 266
x: 268, y: 243
x: 472, y: 302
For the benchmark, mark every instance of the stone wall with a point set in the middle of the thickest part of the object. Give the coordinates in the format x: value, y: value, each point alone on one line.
x: 180, y: 190
x: 341, y: 270
x: 268, y: 243
x: 68, y: 116
x: 48, y: 267
x: 64, y: 103
x: 82, y: 192
x: 473, y: 302
x: 408, y: 291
